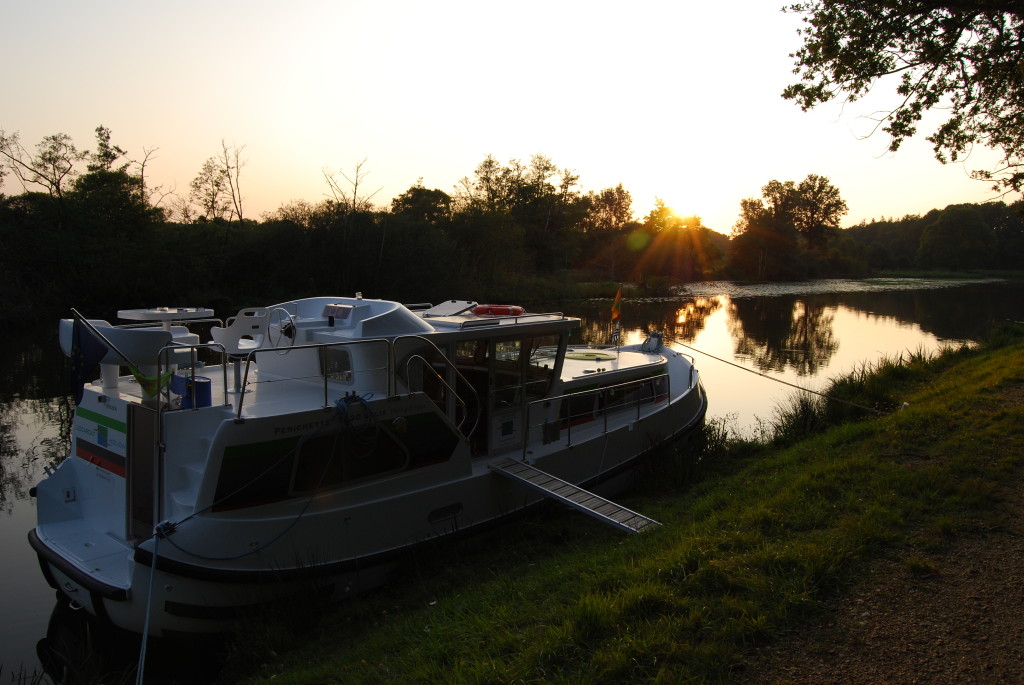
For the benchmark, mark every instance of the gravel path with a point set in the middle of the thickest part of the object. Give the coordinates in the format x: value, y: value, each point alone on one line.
x: 956, y: 617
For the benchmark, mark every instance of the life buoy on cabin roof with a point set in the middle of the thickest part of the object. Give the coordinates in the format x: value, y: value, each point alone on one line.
x: 498, y: 310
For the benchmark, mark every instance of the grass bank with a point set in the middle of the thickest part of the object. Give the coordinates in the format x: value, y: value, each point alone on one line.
x: 757, y: 537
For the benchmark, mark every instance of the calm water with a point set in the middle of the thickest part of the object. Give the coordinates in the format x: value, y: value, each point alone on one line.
x: 803, y: 334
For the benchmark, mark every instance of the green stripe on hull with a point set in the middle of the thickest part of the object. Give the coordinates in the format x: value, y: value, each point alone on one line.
x: 102, y: 420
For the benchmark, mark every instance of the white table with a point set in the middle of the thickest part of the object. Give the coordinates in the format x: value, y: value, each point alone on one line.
x: 165, y: 315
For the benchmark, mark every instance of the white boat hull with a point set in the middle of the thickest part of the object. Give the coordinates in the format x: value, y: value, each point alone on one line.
x: 261, y: 495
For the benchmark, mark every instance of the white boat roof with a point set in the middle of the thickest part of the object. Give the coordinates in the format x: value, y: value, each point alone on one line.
x: 462, y: 314
x: 356, y: 317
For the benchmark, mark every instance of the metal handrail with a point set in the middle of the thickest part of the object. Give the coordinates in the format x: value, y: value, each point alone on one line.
x: 495, y: 320
x: 458, y: 398
x: 603, y: 411
x: 164, y: 356
x: 251, y: 356
x: 450, y: 364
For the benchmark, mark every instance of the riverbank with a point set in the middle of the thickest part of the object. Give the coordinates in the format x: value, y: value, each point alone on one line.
x: 764, y: 553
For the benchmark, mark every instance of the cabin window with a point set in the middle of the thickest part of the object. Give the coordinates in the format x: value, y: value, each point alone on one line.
x: 540, y: 367
x: 332, y: 459
x: 471, y: 353
x: 337, y: 364
x: 254, y: 474
x: 524, y: 368
x: 507, y: 377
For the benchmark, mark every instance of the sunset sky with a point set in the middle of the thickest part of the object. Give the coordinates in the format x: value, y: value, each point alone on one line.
x: 675, y: 100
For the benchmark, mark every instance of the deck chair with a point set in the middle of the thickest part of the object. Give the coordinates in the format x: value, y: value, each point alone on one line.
x: 243, y: 333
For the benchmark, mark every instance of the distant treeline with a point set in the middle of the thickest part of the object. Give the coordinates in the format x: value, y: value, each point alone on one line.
x: 960, y: 238
x: 98, y: 240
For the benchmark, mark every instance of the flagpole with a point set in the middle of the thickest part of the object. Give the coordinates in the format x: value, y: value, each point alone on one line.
x: 616, y: 314
x: 102, y: 337
x: 133, y: 368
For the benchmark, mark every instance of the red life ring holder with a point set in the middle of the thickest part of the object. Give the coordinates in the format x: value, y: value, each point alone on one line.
x: 498, y: 310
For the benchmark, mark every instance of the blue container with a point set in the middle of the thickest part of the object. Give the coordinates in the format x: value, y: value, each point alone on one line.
x: 195, y: 393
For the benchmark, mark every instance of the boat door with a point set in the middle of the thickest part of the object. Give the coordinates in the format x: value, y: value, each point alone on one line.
x: 506, y: 402
x: 140, y: 473
x: 521, y: 370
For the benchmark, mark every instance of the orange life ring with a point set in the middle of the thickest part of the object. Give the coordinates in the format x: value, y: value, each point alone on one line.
x: 498, y: 310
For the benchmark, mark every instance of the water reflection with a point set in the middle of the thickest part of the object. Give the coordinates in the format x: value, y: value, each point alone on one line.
x: 79, y: 649
x: 691, y: 318
x: 32, y: 433
x: 35, y: 417
x: 777, y: 333
x: 679, y: 319
x: 966, y: 313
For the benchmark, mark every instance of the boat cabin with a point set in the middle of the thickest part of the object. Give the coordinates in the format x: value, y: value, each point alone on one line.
x: 481, y: 370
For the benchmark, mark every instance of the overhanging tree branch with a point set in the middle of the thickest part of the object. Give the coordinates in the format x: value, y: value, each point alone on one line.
x: 964, y: 56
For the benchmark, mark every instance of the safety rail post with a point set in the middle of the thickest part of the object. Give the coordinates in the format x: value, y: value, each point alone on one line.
x: 426, y: 364
x: 163, y: 361
x: 321, y: 348
x: 631, y: 387
x: 603, y: 400
x: 321, y: 354
x: 526, y: 430
x: 451, y: 365
x: 245, y: 381
x: 568, y: 430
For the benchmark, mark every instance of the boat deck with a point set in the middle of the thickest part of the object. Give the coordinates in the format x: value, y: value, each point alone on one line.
x: 584, y: 362
x: 267, y: 395
x: 100, y: 554
x: 263, y: 396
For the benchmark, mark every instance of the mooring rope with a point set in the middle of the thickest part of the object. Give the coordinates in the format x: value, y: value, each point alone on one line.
x: 779, y: 380
x: 140, y: 673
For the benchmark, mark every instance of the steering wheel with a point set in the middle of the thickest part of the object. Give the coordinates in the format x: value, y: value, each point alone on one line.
x: 281, y: 319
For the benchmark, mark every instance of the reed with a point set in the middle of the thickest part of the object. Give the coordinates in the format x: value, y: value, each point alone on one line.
x: 23, y: 677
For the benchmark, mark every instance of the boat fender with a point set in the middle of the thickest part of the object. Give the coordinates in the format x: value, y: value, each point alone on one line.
x: 498, y: 310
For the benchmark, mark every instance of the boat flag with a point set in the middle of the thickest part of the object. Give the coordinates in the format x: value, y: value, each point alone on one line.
x: 86, y: 353
x: 616, y: 313
x: 151, y: 385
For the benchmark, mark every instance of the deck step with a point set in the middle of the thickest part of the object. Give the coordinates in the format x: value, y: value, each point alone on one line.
x: 576, y: 497
x: 183, y: 502
x: 194, y: 472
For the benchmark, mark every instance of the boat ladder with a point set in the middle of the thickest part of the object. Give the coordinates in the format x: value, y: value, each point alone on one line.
x: 576, y: 497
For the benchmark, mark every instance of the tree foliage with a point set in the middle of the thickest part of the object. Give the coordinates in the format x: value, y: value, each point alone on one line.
x: 210, y: 192
x: 106, y: 153
x: 817, y: 209
x: 609, y: 210
x: 961, y: 57
x: 676, y: 248
x: 52, y: 167
x: 421, y: 204
x: 788, y: 230
x: 959, y: 237
x: 523, y: 231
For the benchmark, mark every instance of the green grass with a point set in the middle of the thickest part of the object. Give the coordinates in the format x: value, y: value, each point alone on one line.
x: 758, y: 535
